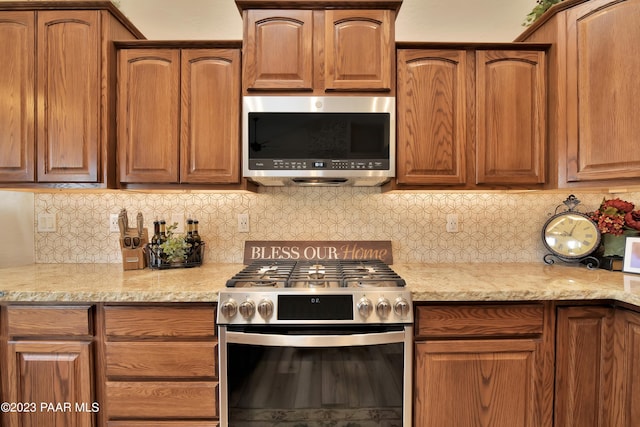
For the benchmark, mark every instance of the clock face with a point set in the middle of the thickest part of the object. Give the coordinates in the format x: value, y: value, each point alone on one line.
x: 571, y: 235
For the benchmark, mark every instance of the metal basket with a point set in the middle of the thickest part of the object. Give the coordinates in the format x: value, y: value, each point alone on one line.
x: 156, y: 260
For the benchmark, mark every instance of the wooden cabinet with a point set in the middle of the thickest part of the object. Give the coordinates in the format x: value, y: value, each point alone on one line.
x: 432, y: 116
x: 583, y: 366
x: 359, y: 50
x: 471, y: 129
x: 191, y: 133
x: 57, y: 76
x: 482, y: 365
x: 313, y: 49
x: 627, y: 369
x: 511, y: 117
x: 160, y: 365
x: 17, y: 111
x: 597, y: 366
x: 593, y: 126
x: 278, y: 54
x: 48, y: 362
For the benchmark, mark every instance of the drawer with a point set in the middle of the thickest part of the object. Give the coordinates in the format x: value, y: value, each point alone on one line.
x: 161, y: 359
x: 162, y: 424
x: 29, y: 320
x: 479, y: 320
x: 162, y: 400
x: 162, y: 321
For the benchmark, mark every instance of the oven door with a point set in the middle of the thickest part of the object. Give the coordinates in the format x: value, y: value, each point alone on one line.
x: 315, y: 376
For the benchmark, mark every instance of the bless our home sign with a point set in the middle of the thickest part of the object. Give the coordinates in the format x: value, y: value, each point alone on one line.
x: 318, y: 250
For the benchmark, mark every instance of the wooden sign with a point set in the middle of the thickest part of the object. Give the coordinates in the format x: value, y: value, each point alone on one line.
x: 318, y: 250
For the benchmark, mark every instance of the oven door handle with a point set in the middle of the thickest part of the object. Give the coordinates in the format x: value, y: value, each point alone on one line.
x: 275, y: 340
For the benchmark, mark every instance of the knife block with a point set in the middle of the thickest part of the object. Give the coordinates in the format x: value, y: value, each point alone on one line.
x: 134, y: 259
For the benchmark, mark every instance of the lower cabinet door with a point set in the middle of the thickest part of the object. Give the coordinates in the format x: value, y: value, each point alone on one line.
x: 477, y: 383
x: 50, y: 384
x: 584, y: 357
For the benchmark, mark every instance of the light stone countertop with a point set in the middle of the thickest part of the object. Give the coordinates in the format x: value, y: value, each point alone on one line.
x: 427, y: 282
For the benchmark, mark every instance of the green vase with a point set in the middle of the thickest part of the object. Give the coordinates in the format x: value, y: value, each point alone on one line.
x: 614, y: 245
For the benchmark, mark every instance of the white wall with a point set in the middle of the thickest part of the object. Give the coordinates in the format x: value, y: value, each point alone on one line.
x: 418, y: 20
x: 16, y: 217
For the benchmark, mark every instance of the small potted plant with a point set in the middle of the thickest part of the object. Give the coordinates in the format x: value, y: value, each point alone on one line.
x: 616, y: 220
x: 175, y: 249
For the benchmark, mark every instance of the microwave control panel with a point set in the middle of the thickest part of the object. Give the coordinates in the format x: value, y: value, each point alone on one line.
x: 305, y: 164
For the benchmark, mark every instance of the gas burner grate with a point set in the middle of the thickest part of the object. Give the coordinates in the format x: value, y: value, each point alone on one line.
x: 316, y: 274
x: 265, y: 273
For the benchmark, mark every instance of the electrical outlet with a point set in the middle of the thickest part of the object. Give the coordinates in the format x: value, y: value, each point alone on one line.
x: 243, y: 223
x: 113, y: 223
x: 453, y: 223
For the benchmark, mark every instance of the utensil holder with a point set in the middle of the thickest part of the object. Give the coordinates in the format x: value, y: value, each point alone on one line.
x: 134, y: 258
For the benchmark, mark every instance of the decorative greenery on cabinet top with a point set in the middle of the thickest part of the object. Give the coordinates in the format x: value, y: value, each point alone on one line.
x: 541, y: 7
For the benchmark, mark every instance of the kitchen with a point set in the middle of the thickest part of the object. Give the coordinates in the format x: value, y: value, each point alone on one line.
x: 495, y: 226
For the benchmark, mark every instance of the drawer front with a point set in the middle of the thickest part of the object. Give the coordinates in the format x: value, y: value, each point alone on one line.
x: 150, y: 321
x: 161, y: 359
x: 25, y: 320
x: 162, y: 400
x: 474, y: 320
x: 162, y: 424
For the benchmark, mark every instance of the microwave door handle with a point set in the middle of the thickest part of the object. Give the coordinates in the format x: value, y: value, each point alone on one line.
x: 275, y: 340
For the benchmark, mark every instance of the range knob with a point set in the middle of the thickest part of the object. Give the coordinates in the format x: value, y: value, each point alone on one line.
x: 365, y: 307
x: 402, y: 307
x: 383, y: 308
x: 247, y: 309
x: 265, y: 309
x: 229, y: 308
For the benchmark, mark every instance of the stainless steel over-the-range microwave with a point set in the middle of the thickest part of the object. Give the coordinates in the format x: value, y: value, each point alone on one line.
x: 311, y: 140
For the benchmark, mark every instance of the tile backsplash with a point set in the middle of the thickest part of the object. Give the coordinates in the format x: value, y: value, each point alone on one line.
x: 496, y: 226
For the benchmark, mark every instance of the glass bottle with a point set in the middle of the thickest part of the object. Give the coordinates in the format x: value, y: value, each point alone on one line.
x: 197, y: 241
x: 155, y: 244
x: 163, y: 238
x: 189, y: 239
x: 163, y: 231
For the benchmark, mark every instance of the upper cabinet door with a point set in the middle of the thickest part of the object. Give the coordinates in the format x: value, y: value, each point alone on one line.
x: 68, y: 105
x: 511, y: 111
x: 603, y: 59
x: 432, y: 116
x: 210, y: 124
x: 278, y: 50
x: 17, y: 109
x: 148, y: 115
x: 359, y: 49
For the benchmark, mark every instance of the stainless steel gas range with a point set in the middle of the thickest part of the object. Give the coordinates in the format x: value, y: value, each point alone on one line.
x: 311, y: 342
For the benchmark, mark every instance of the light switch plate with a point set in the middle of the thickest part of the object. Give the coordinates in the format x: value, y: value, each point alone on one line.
x: 47, y: 223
